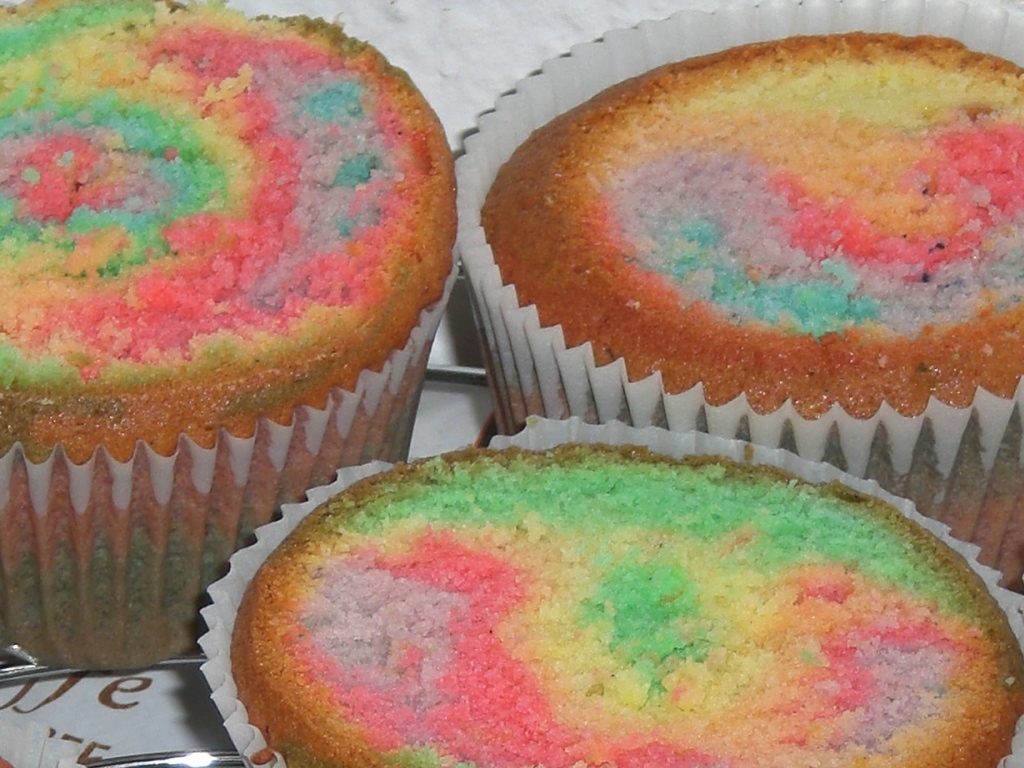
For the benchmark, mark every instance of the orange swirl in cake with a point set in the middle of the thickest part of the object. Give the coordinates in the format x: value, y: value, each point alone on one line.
x: 594, y: 607
x: 190, y: 198
x: 833, y: 219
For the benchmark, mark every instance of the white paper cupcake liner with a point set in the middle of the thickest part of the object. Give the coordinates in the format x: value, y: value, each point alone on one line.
x: 539, y: 434
x: 533, y: 372
x: 32, y: 746
x: 105, y: 564
x: 225, y: 598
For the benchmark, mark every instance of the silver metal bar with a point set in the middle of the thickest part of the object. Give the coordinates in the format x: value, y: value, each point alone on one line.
x: 196, y: 759
x: 456, y: 374
x: 14, y: 666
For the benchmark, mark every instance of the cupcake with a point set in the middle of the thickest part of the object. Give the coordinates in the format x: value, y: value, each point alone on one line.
x: 228, y: 244
x: 791, y: 223
x: 602, y: 595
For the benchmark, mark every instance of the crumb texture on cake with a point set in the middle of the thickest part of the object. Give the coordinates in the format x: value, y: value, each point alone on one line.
x: 824, y: 219
x: 608, y: 608
x: 203, y: 218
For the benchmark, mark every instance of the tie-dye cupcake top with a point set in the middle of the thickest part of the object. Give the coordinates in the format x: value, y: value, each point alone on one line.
x: 605, y: 608
x: 775, y: 218
x: 178, y: 181
x: 816, y: 198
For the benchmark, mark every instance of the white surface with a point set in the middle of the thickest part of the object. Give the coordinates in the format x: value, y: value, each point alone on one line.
x: 451, y: 416
x: 111, y: 716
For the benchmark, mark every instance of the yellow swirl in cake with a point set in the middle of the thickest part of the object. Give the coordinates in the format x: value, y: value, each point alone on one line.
x: 827, y: 220
x: 204, y: 219
x: 599, y: 607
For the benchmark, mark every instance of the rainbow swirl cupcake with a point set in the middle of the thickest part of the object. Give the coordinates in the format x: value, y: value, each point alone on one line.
x: 812, y: 242
x: 215, y: 232
x: 822, y: 220
x: 593, y: 606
